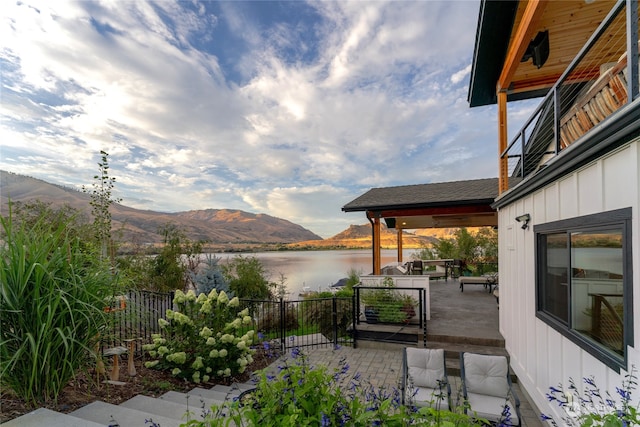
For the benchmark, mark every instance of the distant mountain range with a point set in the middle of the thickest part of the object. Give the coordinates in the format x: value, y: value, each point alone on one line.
x: 223, y: 229
x: 217, y: 226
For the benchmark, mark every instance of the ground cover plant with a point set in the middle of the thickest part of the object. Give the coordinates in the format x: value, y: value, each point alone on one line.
x: 204, y: 337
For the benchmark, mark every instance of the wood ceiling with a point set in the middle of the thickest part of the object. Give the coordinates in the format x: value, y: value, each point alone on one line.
x: 570, y: 24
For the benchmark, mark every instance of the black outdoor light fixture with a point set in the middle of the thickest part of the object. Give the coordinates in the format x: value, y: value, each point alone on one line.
x: 524, y: 219
x: 538, y: 49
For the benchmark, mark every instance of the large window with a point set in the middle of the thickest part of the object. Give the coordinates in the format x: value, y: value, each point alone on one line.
x: 583, y: 282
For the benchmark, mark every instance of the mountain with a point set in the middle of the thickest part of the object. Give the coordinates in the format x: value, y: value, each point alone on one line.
x: 225, y: 227
x: 359, y: 236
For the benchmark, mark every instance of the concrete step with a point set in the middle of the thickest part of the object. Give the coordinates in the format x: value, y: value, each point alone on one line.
x: 457, y: 339
x: 245, y: 386
x: 46, y: 417
x: 196, y: 403
x: 108, y: 414
x: 219, y: 396
x: 182, y: 412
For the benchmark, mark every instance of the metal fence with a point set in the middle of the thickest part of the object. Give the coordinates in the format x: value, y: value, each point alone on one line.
x: 312, y: 322
x: 318, y: 322
x: 135, y: 315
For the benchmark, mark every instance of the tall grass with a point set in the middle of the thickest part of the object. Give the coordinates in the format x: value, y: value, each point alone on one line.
x: 52, y: 296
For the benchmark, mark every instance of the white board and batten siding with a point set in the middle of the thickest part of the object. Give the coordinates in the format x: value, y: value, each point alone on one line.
x: 540, y: 356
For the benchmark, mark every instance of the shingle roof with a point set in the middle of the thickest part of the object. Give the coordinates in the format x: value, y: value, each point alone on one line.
x: 477, y: 191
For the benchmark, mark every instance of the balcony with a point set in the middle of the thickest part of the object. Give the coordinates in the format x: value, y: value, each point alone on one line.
x: 589, y: 95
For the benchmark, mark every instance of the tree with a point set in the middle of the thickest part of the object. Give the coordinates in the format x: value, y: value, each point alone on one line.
x: 101, y: 201
x: 247, y: 278
x: 210, y: 277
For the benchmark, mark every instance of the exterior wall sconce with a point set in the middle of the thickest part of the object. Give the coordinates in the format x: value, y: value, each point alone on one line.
x: 524, y: 219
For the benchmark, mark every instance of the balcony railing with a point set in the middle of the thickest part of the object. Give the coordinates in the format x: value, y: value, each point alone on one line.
x: 590, y: 92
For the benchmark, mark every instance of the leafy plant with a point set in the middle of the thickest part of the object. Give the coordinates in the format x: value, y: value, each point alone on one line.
x: 301, y: 394
x: 594, y: 408
x: 386, y: 303
x: 52, y: 296
x: 203, y: 337
x: 247, y: 278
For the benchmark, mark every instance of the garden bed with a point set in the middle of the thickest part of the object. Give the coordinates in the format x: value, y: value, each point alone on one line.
x: 149, y: 382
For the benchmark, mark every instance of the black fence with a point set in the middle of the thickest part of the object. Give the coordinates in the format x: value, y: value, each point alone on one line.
x: 317, y: 322
x: 135, y: 315
x: 398, y: 311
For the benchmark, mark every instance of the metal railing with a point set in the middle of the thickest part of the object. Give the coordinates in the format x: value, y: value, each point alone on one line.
x: 317, y: 322
x: 599, y: 81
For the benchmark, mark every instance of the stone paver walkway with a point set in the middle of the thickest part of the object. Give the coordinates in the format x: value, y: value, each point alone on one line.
x: 383, y: 367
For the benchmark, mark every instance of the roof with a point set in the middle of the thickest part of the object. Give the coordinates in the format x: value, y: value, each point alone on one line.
x: 495, y: 21
x: 477, y: 191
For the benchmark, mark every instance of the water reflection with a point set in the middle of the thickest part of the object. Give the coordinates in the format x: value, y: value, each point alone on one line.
x: 318, y: 270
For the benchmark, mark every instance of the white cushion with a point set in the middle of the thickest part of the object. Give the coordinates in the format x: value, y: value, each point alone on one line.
x: 486, y: 374
x: 425, y: 367
x: 425, y: 396
x: 491, y: 408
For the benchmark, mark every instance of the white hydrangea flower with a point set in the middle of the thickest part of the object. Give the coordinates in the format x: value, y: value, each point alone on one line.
x: 151, y: 364
x: 213, y: 353
x: 163, y: 350
x: 234, y: 302
x: 213, y: 295
x: 244, y: 312
x: 201, y: 299
x: 191, y: 295
x: 175, y: 371
x: 162, y: 323
x: 205, y: 332
x: 247, y: 320
x: 223, y: 352
x: 205, y: 378
x: 179, y: 297
x: 206, y: 307
x: 211, y: 341
x: 223, y: 298
x: 227, y: 372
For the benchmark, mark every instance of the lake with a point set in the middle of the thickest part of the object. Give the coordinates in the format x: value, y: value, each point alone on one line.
x: 317, y: 269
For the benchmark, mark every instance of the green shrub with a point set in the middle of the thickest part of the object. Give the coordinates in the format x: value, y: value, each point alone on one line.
x: 202, y: 338
x: 52, y: 296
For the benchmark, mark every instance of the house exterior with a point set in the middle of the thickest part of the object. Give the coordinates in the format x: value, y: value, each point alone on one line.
x: 569, y: 231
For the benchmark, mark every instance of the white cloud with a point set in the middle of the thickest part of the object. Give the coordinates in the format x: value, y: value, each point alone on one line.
x: 293, y: 119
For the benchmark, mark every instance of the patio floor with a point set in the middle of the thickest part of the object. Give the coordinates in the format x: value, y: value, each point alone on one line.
x: 460, y: 321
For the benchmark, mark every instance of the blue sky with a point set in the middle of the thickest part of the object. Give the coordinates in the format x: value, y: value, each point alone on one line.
x: 287, y: 108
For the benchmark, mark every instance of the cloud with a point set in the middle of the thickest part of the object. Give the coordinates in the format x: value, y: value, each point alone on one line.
x: 291, y: 109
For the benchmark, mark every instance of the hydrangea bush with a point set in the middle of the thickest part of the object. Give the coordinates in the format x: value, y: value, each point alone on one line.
x: 205, y: 337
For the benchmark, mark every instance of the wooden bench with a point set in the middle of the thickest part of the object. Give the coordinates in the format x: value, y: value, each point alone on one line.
x: 488, y: 281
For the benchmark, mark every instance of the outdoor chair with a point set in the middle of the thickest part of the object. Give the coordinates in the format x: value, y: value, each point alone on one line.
x: 487, y: 388
x: 416, y: 267
x: 424, y: 378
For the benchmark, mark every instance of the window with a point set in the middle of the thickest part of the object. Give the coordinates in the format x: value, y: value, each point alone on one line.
x: 583, y: 282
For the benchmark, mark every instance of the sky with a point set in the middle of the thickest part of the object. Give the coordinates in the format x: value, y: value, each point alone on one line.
x: 291, y: 109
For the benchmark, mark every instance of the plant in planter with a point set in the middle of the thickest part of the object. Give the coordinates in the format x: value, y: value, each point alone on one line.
x: 385, y: 304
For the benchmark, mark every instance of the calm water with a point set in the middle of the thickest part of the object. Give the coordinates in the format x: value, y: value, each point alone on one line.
x: 318, y: 269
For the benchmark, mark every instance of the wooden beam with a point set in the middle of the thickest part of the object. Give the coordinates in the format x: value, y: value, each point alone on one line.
x: 524, y: 33
x: 443, y: 210
x: 503, y: 165
x: 399, y: 245
x: 377, y: 254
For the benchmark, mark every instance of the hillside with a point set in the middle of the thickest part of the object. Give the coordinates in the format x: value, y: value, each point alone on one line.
x: 359, y: 236
x: 222, y: 227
